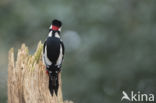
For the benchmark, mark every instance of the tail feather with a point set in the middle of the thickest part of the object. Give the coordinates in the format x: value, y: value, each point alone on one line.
x: 53, y: 84
x: 56, y: 86
x: 50, y: 86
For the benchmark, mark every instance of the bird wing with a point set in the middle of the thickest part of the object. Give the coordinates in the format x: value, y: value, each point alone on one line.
x: 61, y: 55
x: 45, y: 58
x: 62, y: 47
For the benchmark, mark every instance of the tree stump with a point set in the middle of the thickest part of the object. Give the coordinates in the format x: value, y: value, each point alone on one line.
x: 27, y: 78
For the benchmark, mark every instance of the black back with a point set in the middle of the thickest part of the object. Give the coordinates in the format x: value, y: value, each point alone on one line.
x: 53, y: 48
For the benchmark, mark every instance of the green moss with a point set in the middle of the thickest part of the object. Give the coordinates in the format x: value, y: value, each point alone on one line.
x: 38, y: 52
x: 37, y: 55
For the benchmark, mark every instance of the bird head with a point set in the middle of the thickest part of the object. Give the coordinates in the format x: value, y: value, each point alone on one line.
x: 56, y: 25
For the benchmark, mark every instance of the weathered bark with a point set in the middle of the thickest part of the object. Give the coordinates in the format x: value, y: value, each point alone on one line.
x: 27, y: 80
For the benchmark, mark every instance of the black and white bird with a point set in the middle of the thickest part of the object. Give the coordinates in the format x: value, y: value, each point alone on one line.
x: 53, y: 55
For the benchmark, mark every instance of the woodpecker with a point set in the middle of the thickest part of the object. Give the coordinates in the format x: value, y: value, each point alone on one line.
x: 53, y: 55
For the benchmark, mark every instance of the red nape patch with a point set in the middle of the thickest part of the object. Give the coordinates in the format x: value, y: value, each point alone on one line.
x: 55, y: 28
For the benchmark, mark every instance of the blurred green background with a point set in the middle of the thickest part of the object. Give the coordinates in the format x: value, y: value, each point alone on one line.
x: 110, y: 44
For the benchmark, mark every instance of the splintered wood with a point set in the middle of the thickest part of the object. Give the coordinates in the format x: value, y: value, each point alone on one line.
x: 27, y: 80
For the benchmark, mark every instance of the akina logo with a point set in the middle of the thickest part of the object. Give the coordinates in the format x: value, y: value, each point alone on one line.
x: 137, y: 97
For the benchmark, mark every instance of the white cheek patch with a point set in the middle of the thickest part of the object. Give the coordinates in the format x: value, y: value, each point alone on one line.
x: 59, y: 29
x: 50, y: 34
x: 50, y: 27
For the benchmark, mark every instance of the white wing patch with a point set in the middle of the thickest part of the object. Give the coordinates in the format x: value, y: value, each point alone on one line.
x: 59, y: 60
x: 46, y: 60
